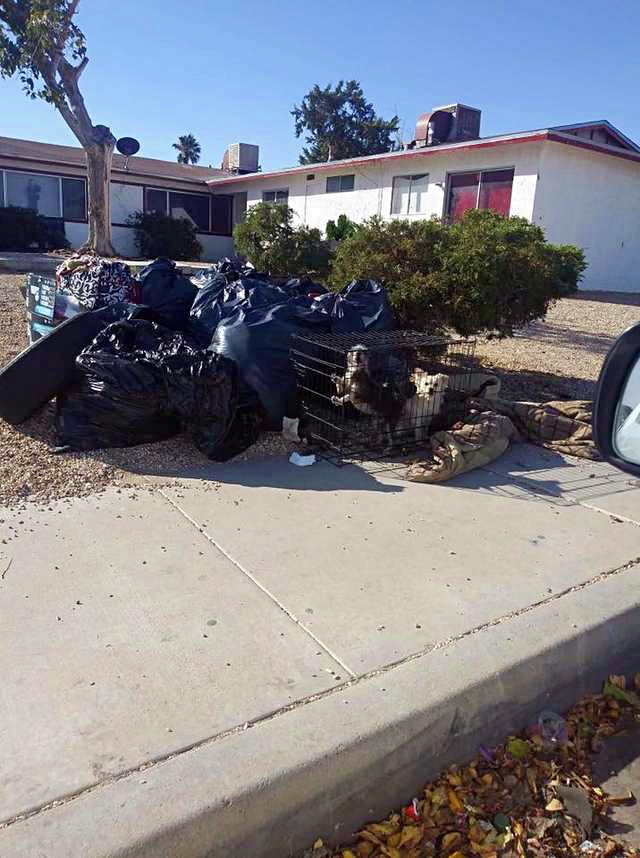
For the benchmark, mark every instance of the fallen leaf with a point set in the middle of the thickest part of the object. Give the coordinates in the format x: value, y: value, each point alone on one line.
x: 617, y: 693
x: 620, y: 799
x: 501, y: 822
x: 554, y: 806
x: 347, y: 853
x: 318, y: 844
x: 451, y: 840
x: 410, y: 834
x: 454, y: 802
x: 518, y: 748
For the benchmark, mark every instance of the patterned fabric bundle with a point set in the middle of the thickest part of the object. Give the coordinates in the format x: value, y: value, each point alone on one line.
x: 96, y: 282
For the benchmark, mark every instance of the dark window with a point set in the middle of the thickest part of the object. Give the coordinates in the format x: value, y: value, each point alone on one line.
x: 221, y: 211
x: 495, y: 191
x: 74, y: 206
x: 279, y: 196
x: 490, y: 189
x: 155, y: 202
x: 335, y: 184
x: 192, y: 207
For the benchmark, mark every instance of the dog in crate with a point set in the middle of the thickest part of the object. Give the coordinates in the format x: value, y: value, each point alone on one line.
x: 375, y: 392
x: 424, y: 405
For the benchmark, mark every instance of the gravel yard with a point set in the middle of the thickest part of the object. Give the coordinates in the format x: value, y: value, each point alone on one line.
x: 556, y: 359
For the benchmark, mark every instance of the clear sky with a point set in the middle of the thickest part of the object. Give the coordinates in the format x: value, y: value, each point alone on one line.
x: 230, y: 72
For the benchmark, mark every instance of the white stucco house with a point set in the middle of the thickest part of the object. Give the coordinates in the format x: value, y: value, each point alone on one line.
x: 580, y: 183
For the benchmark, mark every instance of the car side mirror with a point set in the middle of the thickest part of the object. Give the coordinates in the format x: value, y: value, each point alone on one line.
x: 616, y: 412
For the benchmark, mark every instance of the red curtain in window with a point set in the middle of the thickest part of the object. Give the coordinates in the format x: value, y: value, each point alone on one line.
x: 495, y: 191
x: 463, y: 194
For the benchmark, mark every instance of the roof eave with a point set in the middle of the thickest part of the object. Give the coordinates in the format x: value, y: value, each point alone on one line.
x: 486, y: 142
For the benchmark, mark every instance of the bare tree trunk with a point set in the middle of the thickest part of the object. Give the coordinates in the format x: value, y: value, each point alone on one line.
x: 99, y: 156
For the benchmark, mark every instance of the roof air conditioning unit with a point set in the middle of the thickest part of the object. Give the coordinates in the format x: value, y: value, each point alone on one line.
x: 241, y: 158
x: 449, y: 124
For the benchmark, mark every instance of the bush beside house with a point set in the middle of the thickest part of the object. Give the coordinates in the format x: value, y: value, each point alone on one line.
x: 485, y: 274
x: 23, y: 229
x: 268, y: 238
x: 161, y: 235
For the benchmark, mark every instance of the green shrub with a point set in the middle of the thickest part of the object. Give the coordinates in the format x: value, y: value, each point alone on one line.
x: 343, y: 228
x: 406, y: 257
x: 485, y: 274
x: 160, y: 235
x: 21, y: 228
x: 269, y: 240
x: 569, y: 266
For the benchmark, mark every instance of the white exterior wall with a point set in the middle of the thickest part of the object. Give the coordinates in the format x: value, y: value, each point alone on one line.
x: 373, y: 184
x: 593, y: 201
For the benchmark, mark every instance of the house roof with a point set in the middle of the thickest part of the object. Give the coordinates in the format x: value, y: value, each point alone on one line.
x: 73, y: 156
x: 561, y: 134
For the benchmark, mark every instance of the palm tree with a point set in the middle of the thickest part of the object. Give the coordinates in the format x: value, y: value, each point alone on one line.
x: 188, y: 149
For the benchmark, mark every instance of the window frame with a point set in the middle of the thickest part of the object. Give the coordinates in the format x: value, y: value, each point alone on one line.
x: 210, y: 197
x: 481, y: 172
x: 48, y: 174
x: 275, y: 191
x: 340, y: 177
x: 412, y: 177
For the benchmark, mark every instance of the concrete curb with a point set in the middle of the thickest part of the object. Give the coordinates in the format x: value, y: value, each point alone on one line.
x: 327, y: 765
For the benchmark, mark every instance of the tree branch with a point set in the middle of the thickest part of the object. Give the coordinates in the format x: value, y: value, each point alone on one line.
x: 69, y: 75
x: 64, y: 35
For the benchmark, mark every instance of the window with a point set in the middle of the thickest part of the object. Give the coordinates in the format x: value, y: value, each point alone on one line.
x: 279, y: 196
x: 176, y: 204
x: 192, y: 207
x: 490, y: 189
x: 74, y: 205
x: 221, y: 214
x: 409, y: 194
x: 155, y: 202
x: 50, y: 196
x: 32, y: 191
x: 335, y: 184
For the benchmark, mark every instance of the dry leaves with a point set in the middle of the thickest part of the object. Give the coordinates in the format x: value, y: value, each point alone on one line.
x: 528, y: 797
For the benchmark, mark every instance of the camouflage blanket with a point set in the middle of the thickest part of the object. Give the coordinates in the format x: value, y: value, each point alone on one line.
x: 561, y: 426
x: 489, y: 426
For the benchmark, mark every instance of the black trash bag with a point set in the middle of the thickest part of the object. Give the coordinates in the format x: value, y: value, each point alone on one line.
x: 139, y: 382
x: 363, y: 305
x: 168, y: 292
x: 252, y: 322
x: 46, y: 367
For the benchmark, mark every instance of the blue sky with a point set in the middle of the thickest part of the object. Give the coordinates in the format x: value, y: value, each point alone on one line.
x: 231, y: 72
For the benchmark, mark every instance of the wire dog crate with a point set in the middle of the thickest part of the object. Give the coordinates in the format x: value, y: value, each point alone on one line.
x: 363, y: 395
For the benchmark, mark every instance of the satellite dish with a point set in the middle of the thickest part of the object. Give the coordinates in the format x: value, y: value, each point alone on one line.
x: 127, y: 146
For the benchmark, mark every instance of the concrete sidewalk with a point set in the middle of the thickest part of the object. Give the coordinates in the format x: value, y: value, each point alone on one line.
x: 260, y: 654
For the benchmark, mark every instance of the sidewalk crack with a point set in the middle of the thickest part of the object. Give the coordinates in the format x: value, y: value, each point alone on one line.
x: 260, y: 586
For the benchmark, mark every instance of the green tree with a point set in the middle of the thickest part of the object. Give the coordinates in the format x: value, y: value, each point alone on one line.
x: 269, y: 240
x: 188, y: 149
x: 340, y: 123
x: 40, y: 43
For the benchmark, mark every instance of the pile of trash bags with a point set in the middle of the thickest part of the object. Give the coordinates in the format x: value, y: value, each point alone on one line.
x: 139, y: 359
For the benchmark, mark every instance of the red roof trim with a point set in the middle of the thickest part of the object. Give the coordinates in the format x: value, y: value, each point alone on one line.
x: 355, y: 162
x: 570, y: 140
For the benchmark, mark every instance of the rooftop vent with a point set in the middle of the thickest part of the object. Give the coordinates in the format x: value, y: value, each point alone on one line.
x: 241, y: 158
x: 449, y: 124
